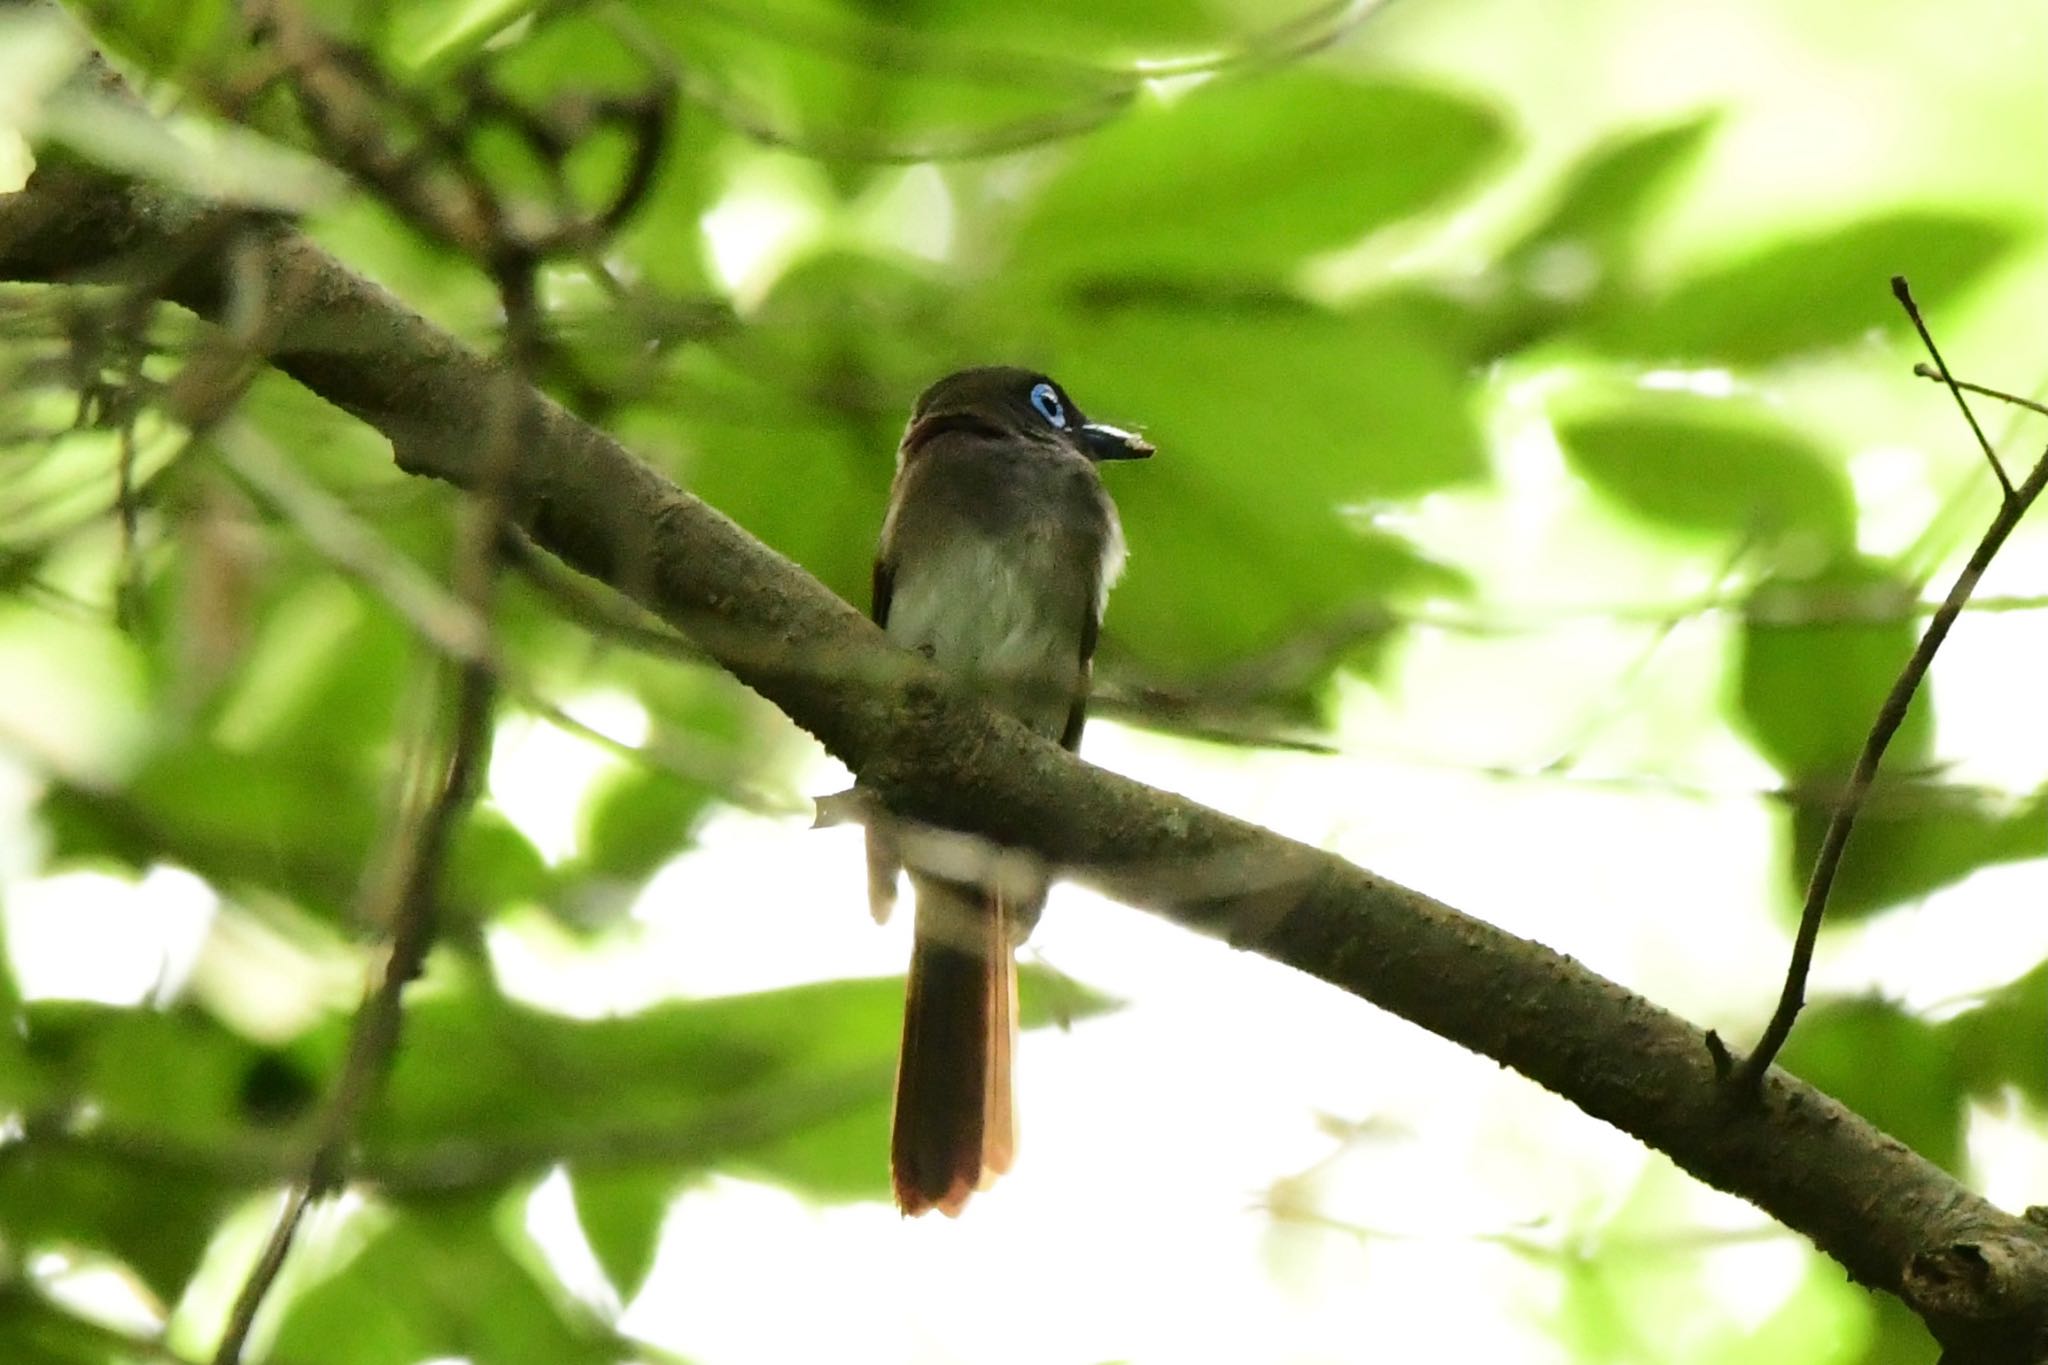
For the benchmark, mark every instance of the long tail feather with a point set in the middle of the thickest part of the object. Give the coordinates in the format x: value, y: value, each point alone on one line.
x: 954, y: 1125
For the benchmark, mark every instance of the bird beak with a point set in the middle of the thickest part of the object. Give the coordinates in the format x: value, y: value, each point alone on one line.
x: 1113, y: 443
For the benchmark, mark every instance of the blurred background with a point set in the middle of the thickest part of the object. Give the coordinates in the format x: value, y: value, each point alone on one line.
x: 1544, y: 502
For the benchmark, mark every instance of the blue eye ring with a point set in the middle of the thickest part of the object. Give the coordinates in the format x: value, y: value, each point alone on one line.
x: 1046, y: 399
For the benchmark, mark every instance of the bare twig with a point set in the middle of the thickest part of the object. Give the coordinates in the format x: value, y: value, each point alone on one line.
x: 1890, y: 715
x: 1927, y: 371
x: 1904, y: 294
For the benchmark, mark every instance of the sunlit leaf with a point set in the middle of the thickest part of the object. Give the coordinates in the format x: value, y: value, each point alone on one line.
x: 1281, y: 167
x: 1300, y: 427
x: 1824, y: 290
x: 1910, y: 841
x: 1997, y: 1044
x: 1583, y: 252
x: 621, y: 1212
x: 768, y: 1083
x: 639, y: 820
x: 177, y: 1077
x: 1718, y: 469
x: 441, y: 1283
x: 1818, y: 657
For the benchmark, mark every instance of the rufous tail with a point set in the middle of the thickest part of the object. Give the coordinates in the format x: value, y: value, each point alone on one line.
x: 955, y: 1123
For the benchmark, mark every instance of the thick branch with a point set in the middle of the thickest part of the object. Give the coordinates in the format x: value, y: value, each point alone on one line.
x: 1980, y: 1277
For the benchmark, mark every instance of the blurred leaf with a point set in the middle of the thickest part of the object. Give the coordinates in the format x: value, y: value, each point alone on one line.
x: 1897, y: 1336
x: 638, y: 820
x: 440, y: 1283
x: 156, y: 1222
x: 1909, y: 841
x: 326, y: 680
x: 1279, y: 430
x: 792, y: 1085
x: 1714, y: 468
x: 1602, y: 202
x: 33, y: 1331
x: 179, y: 1072
x: 1998, y: 1043
x: 1809, y: 293
x: 1062, y: 29
x: 164, y: 37
x: 1282, y: 166
x: 797, y: 405
x: 853, y: 93
x: 1812, y: 674
x: 234, y: 819
x: 621, y: 1212
x: 1583, y: 252
x: 1892, y: 1067
x: 178, y: 1075
x: 492, y: 866
x: 438, y: 35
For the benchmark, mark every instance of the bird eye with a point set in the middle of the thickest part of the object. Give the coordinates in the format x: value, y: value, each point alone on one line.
x: 1047, y: 400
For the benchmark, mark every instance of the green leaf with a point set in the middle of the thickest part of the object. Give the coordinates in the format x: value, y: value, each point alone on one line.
x: 164, y: 36
x: 1892, y: 1067
x: 638, y: 820
x: 852, y: 93
x: 1818, y: 657
x: 33, y: 1331
x: 440, y: 1282
x: 786, y: 1084
x: 179, y: 1078
x: 1248, y: 177
x: 492, y: 866
x: 1259, y: 510
x: 1997, y: 1045
x: 1582, y: 254
x: 1911, y: 839
x: 1602, y: 202
x: 1809, y: 293
x: 157, y: 1222
x: 1718, y: 469
x: 621, y: 1212
x: 234, y: 819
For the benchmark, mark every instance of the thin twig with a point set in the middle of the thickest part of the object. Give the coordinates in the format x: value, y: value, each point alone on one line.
x: 1889, y: 717
x: 1904, y: 294
x: 374, y: 1036
x: 1927, y: 371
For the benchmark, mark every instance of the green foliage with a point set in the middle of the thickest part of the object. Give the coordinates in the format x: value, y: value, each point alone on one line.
x: 1284, y: 168
x: 1809, y: 689
x: 1700, y: 467
x: 1335, y: 291
x: 1737, y: 314
x: 1913, y: 838
x: 444, y: 1281
x: 187, y: 1116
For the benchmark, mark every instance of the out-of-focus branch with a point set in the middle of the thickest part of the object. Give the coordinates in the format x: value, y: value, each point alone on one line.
x: 409, y: 912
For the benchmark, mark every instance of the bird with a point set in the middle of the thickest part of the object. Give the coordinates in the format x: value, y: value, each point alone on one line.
x: 997, y: 554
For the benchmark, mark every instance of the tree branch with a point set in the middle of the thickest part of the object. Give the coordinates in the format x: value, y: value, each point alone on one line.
x: 1979, y: 1277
